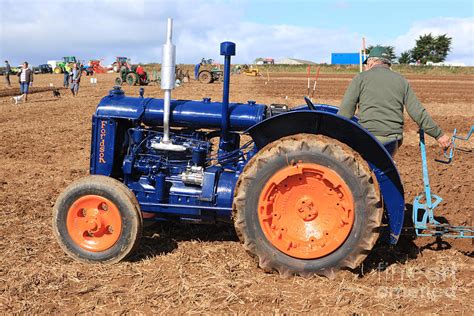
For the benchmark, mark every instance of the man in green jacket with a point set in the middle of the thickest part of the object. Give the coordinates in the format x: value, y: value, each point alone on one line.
x: 381, y: 96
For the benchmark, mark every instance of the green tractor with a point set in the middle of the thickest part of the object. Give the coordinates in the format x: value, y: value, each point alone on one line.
x: 211, y: 72
x: 61, y: 65
x: 131, y: 77
x: 210, y: 76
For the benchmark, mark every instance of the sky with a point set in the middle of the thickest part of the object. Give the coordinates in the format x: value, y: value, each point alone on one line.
x: 42, y: 30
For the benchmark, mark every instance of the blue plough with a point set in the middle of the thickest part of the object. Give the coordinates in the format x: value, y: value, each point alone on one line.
x: 424, y: 220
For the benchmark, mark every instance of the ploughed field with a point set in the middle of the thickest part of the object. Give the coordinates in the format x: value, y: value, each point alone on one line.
x: 189, y: 268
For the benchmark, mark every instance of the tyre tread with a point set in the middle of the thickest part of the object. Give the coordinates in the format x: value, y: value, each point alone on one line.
x: 114, y: 185
x: 345, y: 155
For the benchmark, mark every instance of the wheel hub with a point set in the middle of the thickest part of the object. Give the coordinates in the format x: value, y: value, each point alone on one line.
x: 306, y: 210
x: 94, y: 223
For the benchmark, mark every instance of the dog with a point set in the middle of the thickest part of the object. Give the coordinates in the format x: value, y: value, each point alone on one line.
x: 56, y: 93
x: 17, y: 99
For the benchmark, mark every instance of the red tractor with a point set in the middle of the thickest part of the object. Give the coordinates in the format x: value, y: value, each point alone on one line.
x: 121, y: 62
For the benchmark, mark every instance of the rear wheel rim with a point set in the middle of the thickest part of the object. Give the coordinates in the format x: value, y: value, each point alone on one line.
x: 306, y: 210
x: 94, y: 223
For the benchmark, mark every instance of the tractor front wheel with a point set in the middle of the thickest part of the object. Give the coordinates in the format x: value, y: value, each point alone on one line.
x: 97, y: 219
x: 118, y: 81
x: 307, y: 204
x: 132, y: 79
x: 57, y: 70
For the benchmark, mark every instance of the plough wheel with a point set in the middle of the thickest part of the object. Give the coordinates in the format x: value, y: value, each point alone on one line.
x: 307, y: 204
x: 97, y: 219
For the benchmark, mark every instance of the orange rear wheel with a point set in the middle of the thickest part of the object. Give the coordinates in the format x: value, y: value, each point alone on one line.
x: 307, y: 204
x: 306, y: 210
x: 94, y: 223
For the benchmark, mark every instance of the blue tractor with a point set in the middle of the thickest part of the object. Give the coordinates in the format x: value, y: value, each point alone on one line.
x: 308, y: 191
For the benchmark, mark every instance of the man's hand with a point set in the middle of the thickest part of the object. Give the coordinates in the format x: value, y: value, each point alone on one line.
x: 444, y: 142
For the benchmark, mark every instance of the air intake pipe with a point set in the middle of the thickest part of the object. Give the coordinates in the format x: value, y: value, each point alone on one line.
x: 227, y: 50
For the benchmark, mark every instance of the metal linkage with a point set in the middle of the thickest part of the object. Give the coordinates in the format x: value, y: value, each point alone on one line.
x: 449, y: 156
x: 467, y: 136
x: 424, y: 221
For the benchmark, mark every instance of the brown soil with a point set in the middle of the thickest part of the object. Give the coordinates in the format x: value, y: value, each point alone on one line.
x: 184, y: 268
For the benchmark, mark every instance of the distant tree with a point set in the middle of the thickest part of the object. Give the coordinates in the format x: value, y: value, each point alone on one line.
x: 405, y: 57
x: 443, y: 46
x: 257, y: 60
x: 390, y: 49
x: 431, y: 48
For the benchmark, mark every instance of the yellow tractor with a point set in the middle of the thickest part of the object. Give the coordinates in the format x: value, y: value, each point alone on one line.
x: 250, y: 71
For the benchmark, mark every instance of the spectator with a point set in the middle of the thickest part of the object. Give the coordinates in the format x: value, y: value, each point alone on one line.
x: 67, y: 70
x: 8, y: 70
x: 75, y: 79
x: 26, y: 79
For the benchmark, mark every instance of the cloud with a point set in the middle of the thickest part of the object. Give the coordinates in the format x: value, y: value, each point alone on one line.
x: 341, y: 5
x: 51, y: 29
x: 278, y: 41
x: 104, y: 29
x: 38, y: 31
x: 460, y: 29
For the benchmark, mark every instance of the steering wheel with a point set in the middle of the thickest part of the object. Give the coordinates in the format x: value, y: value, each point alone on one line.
x: 310, y: 104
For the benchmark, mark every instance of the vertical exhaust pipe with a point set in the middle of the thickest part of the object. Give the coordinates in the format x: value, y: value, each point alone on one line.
x: 168, y: 78
x: 168, y: 82
x: 227, y: 50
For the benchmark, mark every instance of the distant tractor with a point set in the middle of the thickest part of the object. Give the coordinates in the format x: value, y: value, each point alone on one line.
x: 209, y: 76
x: 121, y: 62
x: 132, y: 77
x: 250, y: 71
x: 61, y: 65
x: 211, y: 73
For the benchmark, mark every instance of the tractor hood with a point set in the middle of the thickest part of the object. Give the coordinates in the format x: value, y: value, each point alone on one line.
x: 184, y: 113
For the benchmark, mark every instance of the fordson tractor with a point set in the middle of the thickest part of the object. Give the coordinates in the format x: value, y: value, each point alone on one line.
x: 308, y: 191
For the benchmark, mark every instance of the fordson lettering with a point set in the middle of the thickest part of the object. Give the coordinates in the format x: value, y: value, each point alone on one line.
x: 102, y: 142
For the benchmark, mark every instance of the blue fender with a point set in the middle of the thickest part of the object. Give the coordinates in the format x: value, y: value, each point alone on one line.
x: 326, y: 122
